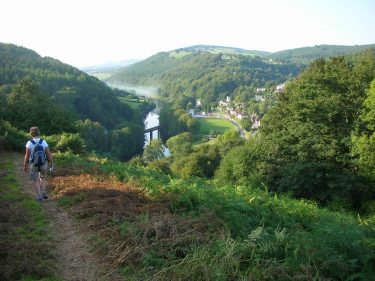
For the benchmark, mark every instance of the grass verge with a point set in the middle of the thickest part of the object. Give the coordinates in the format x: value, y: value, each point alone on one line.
x: 150, y: 226
x: 25, y: 242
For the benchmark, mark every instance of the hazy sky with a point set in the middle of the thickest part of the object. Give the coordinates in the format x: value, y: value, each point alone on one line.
x: 88, y: 32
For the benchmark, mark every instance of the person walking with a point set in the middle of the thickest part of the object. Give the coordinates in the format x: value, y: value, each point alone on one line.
x: 37, y: 158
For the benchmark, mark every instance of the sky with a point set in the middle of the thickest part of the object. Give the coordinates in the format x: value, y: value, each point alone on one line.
x: 91, y: 32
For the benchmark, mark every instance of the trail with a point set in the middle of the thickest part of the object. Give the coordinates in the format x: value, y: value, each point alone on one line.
x: 74, y: 261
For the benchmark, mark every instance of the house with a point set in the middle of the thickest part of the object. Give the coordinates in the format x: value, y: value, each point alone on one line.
x: 255, y: 119
x: 259, y: 98
x: 261, y: 90
x: 242, y: 115
x: 280, y: 88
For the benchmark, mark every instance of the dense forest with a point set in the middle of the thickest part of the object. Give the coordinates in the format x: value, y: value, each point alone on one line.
x: 60, y: 98
x: 306, y: 55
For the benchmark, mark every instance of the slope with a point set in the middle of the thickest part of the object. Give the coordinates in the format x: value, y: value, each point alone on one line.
x: 306, y: 55
x: 150, y: 226
x: 71, y: 88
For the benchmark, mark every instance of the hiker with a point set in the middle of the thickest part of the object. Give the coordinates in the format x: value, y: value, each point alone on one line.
x: 37, y: 158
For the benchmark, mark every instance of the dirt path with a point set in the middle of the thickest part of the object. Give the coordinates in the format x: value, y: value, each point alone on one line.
x: 74, y: 261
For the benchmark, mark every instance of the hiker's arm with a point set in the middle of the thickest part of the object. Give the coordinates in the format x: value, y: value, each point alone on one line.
x: 49, y: 157
x: 26, y: 159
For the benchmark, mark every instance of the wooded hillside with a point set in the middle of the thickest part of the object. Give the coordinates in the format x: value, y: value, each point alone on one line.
x: 71, y: 88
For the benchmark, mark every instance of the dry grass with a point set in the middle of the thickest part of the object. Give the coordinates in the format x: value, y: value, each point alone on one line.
x: 127, y: 227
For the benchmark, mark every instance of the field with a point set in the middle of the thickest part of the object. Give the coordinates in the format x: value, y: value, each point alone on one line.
x: 133, y: 103
x: 219, y: 126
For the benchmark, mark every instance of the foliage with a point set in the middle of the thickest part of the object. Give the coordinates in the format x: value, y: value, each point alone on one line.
x: 28, y: 106
x: 241, y: 165
x: 203, y: 75
x: 66, y: 142
x: 309, y: 54
x: 312, y: 123
x: 153, y: 151
x: 180, y: 144
x: 174, y: 121
x: 364, y: 144
x: 69, y: 87
x: 202, y: 162
x: 94, y: 134
x: 11, y: 138
x: 127, y: 141
x: 248, y: 234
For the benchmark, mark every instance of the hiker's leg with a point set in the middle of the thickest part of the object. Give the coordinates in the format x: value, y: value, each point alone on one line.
x: 37, y: 185
x: 43, y: 183
x: 34, y: 176
x: 43, y: 174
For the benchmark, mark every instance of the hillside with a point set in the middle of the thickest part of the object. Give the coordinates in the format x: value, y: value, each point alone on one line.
x: 213, y: 72
x: 308, y: 54
x: 202, y: 74
x: 135, y: 223
x: 71, y: 88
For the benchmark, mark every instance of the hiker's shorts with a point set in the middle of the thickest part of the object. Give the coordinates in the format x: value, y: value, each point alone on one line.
x: 36, y: 171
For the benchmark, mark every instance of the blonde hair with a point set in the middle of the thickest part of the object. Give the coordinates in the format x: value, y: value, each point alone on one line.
x: 34, y: 131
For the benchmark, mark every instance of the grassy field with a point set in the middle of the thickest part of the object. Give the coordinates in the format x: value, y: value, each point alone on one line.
x: 133, y: 103
x: 219, y: 126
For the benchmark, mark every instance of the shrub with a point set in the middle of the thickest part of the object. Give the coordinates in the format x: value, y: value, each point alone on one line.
x: 66, y: 142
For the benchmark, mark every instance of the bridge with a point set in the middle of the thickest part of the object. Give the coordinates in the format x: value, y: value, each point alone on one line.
x: 150, y: 130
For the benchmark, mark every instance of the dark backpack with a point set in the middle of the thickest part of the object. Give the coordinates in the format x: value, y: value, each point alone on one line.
x: 38, y: 154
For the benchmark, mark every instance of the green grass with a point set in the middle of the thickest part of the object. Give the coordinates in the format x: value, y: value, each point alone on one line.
x: 219, y: 126
x: 25, y: 242
x: 68, y: 201
x: 264, y: 236
x: 133, y: 103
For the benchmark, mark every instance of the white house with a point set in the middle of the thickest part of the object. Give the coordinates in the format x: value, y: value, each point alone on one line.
x: 261, y: 90
x: 259, y: 98
x: 280, y: 88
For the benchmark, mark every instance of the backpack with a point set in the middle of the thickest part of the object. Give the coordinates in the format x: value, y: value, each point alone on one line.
x: 38, y: 154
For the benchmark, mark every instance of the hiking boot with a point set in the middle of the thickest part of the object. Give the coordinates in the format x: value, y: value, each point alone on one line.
x: 44, y: 195
x: 39, y: 198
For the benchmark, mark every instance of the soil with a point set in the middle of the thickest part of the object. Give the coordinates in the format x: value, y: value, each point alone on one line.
x: 74, y: 261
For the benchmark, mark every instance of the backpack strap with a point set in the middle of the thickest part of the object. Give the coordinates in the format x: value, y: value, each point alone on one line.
x: 40, y: 141
x: 33, y: 142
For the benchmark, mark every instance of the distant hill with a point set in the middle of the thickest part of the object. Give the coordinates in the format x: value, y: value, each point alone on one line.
x: 70, y: 87
x: 206, y: 72
x: 213, y: 72
x: 306, y: 55
x: 224, y: 50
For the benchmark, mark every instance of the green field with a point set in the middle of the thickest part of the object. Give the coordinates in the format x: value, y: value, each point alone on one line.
x: 133, y: 103
x: 219, y: 126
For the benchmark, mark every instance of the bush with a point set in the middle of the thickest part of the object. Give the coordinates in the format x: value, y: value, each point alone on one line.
x: 66, y: 142
x: 11, y: 138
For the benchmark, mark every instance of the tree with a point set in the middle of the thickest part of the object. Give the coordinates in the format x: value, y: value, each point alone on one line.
x: 153, y: 151
x: 179, y: 144
x: 312, y: 123
x: 364, y: 142
x: 27, y: 106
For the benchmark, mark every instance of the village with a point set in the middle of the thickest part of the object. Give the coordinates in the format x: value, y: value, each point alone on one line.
x: 235, y: 111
